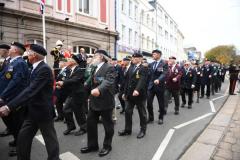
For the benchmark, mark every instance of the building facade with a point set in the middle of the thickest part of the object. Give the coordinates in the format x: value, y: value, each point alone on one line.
x: 78, y: 23
x: 145, y: 26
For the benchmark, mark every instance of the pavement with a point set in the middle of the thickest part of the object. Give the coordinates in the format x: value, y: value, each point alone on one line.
x: 221, y: 138
x: 166, y: 142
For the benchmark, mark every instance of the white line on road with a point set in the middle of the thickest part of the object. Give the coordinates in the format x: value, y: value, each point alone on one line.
x: 214, y: 99
x: 192, y: 121
x: 212, y: 107
x: 163, y: 145
x: 40, y: 139
x: 68, y: 156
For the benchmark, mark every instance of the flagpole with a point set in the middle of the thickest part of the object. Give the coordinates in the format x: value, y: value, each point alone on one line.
x: 44, y: 30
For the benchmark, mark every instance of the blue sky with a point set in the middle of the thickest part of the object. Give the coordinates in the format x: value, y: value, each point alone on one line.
x: 206, y: 23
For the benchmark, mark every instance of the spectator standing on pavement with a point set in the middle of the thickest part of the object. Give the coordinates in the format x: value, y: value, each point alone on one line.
x: 233, y: 74
x: 37, y: 98
x: 101, y: 103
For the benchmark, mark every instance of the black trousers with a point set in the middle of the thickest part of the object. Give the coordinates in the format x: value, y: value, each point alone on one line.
x: 160, y: 98
x: 61, y: 98
x: 189, y: 92
x: 175, y: 94
x: 92, y: 130
x: 14, y: 122
x: 75, y: 105
x: 203, y: 90
x: 27, y: 133
x: 122, y: 102
x: 232, y: 86
x: 141, y: 107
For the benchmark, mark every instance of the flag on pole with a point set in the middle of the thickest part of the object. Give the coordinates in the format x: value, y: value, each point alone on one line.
x: 42, y: 6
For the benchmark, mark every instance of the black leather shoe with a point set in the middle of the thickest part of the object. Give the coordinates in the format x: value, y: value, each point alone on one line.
x: 201, y: 97
x: 80, y: 132
x: 12, y: 153
x: 12, y: 143
x: 183, y: 105
x: 89, y: 149
x: 66, y: 132
x: 160, y: 121
x: 141, y: 134
x: 176, y: 112
x: 124, y: 133
x: 58, y: 119
x: 104, y: 151
x: 150, y: 121
x: 208, y: 97
x: 189, y: 106
x: 5, y: 133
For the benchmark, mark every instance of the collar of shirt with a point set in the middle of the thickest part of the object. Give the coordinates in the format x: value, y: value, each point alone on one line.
x: 73, y: 69
x: 7, y: 58
x: 36, y: 64
x: 173, y: 66
x: 99, y: 66
x: 14, y: 58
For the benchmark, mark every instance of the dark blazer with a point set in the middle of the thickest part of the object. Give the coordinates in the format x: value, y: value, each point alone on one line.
x: 104, y: 80
x: 175, y: 72
x: 13, y: 79
x: 74, y: 84
x: 159, y: 73
x: 136, y: 80
x: 188, y: 78
x: 119, y: 78
x: 233, y: 72
x: 37, y: 96
x: 198, y: 72
x: 206, y: 71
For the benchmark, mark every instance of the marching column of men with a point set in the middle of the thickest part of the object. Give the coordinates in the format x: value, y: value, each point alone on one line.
x: 86, y: 88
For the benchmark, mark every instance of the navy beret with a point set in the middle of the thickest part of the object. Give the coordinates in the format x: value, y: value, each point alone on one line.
x: 19, y: 45
x: 157, y: 51
x: 126, y: 59
x: 103, y: 52
x: 4, y: 46
x: 38, y: 49
x: 137, y: 55
x: 76, y: 58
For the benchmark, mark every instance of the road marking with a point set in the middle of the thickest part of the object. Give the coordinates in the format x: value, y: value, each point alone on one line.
x: 212, y: 107
x: 40, y: 139
x: 68, y: 156
x: 192, y: 121
x: 163, y: 145
x: 214, y: 99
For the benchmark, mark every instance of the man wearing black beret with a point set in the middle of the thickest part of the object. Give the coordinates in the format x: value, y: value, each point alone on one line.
x: 13, y: 79
x: 37, y: 97
x: 74, y: 86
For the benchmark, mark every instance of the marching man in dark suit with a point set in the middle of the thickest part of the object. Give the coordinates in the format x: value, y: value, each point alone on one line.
x: 173, y: 80
x: 158, y: 71
x: 188, y: 82
x: 135, y: 93
x: 206, y: 78
x: 74, y: 86
x: 14, y: 78
x: 101, y: 103
x: 37, y: 98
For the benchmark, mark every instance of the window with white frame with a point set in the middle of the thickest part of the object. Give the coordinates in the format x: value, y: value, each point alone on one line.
x: 166, y: 35
x: 171, y: 38
x: 135, y: 12
x: 160, y: 12
x: 84, y: 6
x: 148, y: 19
x: 160, y: 30
x: 166, y: 19
x: 123, y: 6
x: 135, y: 38
x: 123, y: 33
x: 153, y: 46
x: 64, y: 6
x: 88, y: 49
x: 171, y: 24
x: 143, y: 41
x: 152, y: 22
x: 130, y: 36
x: 148, y: 42
x: 130, y: 9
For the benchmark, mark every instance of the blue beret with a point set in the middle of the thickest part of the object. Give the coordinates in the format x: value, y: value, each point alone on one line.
x: 4, y: 46
x: 19, y: 45
x: 38, y: 49
x: 137, y: 55
x: 157, y: 51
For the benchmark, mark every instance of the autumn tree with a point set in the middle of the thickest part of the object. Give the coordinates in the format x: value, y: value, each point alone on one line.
x: 223, y: 54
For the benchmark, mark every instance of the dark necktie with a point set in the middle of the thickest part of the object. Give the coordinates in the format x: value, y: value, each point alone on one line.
x: 155, y: 65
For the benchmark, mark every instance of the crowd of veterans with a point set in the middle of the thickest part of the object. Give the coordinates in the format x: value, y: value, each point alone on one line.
x: 82, y: 90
